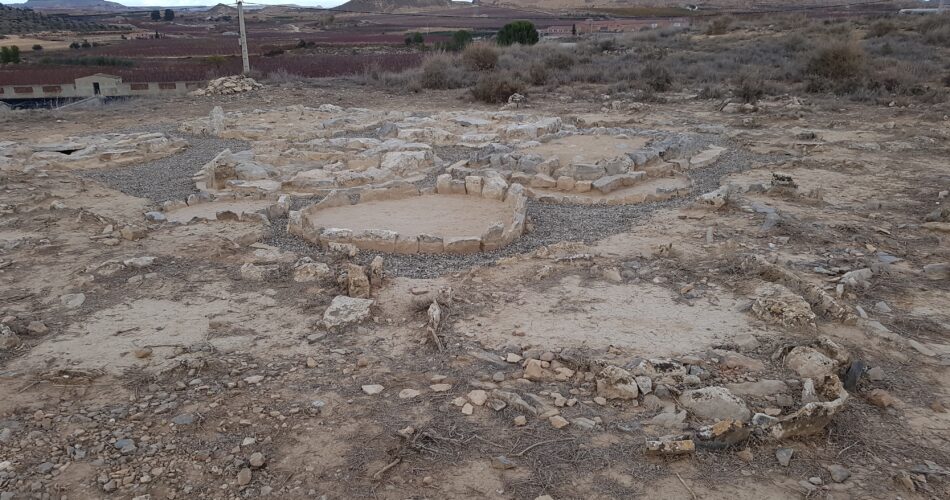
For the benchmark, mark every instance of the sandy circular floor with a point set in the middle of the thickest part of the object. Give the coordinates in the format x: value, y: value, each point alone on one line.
x: 586, y: 148
x: 438, y: 215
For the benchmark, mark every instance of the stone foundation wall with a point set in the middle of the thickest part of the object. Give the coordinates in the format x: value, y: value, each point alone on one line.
x: 496, y: 236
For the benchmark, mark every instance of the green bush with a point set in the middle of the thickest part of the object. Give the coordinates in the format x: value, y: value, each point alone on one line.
x: 415, y: 38
x: 522, y: 32
x: 10, y: 55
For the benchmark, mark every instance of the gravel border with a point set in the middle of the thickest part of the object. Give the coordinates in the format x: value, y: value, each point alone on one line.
x: 553, y: 223
x: 168, y: 178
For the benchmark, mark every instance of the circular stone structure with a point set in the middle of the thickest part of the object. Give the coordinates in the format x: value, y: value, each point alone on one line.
x: 459, y: 217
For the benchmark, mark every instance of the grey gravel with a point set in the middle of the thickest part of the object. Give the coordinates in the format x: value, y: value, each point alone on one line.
x: 552, y: 222
x: 168, y: 178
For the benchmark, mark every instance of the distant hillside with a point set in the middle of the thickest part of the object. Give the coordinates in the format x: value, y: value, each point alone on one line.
x: 97, y: 5
x: 394, y: 5
x: 222, y: 10
x: 15, y: 21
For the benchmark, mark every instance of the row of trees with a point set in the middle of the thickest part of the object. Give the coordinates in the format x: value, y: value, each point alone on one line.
x: 522, y: 32
x: 168, y: 16
x: 10, y: 55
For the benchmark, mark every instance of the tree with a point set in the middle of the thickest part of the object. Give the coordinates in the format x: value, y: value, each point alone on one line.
x: 460, y: 39
x: 5, y: 55
x: 156, y: 15
x: 37, y: 47
x: 15, y: 54
x: 169, y: 15
x: 522, y: 32
x: 574, y: 29
x: 415, y: 39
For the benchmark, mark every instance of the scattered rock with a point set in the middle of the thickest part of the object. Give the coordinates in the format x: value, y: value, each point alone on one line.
x: 838, y: 473
x: 406, y: 393
x: 715, y: 403
x: 73, y: 300
x: 345, y: 311
x: 244, y: 477
x: 784, y: 456
x: 372, y: 389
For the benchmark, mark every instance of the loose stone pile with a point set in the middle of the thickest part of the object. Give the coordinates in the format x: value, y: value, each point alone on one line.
x: 229, y: 85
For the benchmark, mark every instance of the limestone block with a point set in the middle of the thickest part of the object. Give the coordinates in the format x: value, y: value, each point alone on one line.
x: 547, y: 167
x: 379, y: 240
x: 395, y: 191
x: 494, y: 237
x: 463, y: 244
x: 473, y: 185
x: 617, y: 165
x: 443, y: 184
x: 336, y: 235
x: 543, y: 181
x: 608, y: 184
x: 295, y: 223
x: 457, y: 187
x: 632, y: 178
x: 430, y: 244
x: 565, y: 183
x: 582, y: 186
x: 582, y: 171
x: 493, y: 188
x: 407, y: 244
x: 521, y: 178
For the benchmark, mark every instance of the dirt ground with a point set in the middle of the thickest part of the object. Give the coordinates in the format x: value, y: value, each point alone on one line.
x: 176, y: 378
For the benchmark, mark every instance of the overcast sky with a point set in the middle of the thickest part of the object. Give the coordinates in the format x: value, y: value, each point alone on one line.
x: 176, y: 3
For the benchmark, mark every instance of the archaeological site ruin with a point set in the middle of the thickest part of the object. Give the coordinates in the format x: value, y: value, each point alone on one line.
x: 659, y: 256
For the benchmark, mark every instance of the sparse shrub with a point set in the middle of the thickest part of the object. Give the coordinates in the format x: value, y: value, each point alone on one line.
x: 719, y: 26
x: 837, y: 61
x: 607, y: 45
x: 657, y: 77
x: 37, y: 47
x: 441, y: 71
x: 496, y: 87
x: 538, y: 74
x: 480, y: 57
x: 283, y: 76
x: 936, y: 29
x: 882, y: 27
x: 559, y: 60
x: 748, y: 87
x: 710, y: 92
x: 522, y: 32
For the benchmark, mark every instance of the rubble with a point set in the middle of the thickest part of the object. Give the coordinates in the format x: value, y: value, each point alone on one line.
x: 227, y: 85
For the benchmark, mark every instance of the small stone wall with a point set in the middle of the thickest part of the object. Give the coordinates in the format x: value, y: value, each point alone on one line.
x: 279, y: 208
x: 496, y: 236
